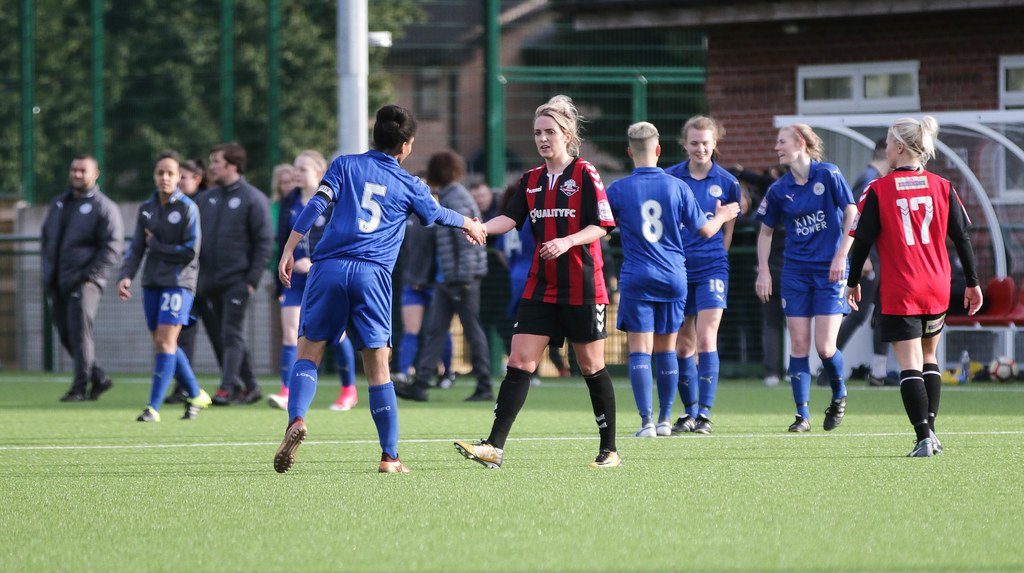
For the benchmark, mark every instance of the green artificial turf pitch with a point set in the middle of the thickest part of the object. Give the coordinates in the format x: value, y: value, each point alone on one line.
x: 83, y: 487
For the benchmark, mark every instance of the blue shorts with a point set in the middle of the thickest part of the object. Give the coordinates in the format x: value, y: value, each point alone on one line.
x: 807, y: 294
x: 417, y: 297
x: 166, y: 306
x: 345, y: 295
x: 659, y: 317
x: 707, y: 293
x: 292, y: 296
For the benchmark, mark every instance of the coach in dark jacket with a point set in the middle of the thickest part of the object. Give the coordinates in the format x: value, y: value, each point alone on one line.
x: 458, y: 291
x: 81, y: 242
x: 237, y: 241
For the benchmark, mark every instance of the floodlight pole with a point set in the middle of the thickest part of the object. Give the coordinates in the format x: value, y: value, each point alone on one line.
x: 353, y: 72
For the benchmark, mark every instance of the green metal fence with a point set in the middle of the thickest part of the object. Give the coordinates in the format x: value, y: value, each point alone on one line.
x: 27, y: 341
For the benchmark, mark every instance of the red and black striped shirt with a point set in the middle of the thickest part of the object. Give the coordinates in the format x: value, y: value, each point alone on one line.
x: 575, y: 200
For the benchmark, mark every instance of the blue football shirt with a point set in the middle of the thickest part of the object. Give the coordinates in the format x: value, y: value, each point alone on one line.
x: 812, y: 213
x: 373, y: 197
x: 653, y: 211
x: 719, y: 185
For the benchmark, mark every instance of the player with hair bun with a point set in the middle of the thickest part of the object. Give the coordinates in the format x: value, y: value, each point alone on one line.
x: 910, y: 212
x: 348, y: 288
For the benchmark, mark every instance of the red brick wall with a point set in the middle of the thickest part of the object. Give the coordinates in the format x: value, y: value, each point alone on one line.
x: 752, y: 68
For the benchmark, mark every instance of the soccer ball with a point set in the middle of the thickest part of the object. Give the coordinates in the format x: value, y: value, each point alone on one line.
x: 1003, y: 369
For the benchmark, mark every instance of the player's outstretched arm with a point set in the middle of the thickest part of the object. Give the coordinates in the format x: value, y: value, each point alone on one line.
x: 723, y: 214
x: 500, y: 225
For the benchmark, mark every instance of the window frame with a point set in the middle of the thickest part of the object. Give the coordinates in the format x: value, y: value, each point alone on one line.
x: 858, y: 103
x: 1010, y: 100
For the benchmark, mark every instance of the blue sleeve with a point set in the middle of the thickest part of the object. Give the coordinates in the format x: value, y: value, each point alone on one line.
x: 692, y: 215
x: 732, y: 191
x: 840, y: 189
x: 428, y: 211
x: 316, y: 207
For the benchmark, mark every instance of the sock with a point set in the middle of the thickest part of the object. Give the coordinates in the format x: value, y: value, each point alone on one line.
x: 384, y: 409
x: 344, y: 359
x: 878, y: 364
x: 511, y: 397
x: 183, y: 373
x: 667, y: 366
x: 707, y: 369
x: 602, y: 398
x: 287, y: 359
x: 163, y: 371
x: 446, y: 355
x: 933, y: 386
x: 834, y: 368
x: 301, y: 388
x: 800, y: 380
x: 407, y: 353
x: 689, y: 387
x: 915, y: 401
x: 640, y: 379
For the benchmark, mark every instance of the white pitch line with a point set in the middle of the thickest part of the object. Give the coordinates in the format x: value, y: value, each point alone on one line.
x: 449, y: 440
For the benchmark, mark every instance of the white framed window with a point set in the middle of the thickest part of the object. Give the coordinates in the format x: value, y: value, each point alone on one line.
x: 1011, y: 82
x: 869, y: 87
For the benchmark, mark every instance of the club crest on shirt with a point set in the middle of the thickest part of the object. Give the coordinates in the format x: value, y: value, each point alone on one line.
x: 174, y: 217
x: 85, y: 209
x: 915, y: 182
x: 569, y: 188
x: 715, y: 191
x: 234, y: 202
x: 819, y: 188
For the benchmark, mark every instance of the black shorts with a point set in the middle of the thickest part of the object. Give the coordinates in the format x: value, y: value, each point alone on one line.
x: 896, y: 328
x: 583, y: 323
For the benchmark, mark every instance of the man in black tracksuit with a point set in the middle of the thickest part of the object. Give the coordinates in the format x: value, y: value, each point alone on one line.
x: 237, y: 242
x: 81, y: 242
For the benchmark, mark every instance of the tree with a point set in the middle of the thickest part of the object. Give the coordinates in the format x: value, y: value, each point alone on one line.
x: 161, y: 84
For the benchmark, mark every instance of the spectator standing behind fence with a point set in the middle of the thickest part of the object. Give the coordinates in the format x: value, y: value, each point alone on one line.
x: 707, y: 265
x: 81, y: 242
x: 310, y: 166
x: 419, y: 273
x: 167, y: 235
x: 462, y: 266
x: 236, y: 228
